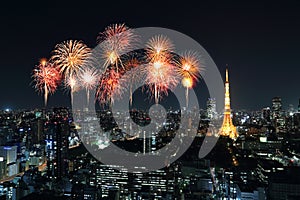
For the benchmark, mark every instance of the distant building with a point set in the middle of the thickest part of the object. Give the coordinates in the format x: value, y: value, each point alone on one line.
x: 276, y: 107
x: 247, y: 193
x: 211, y: 108
x: 80, y: 191
x: 296, y: 121
x: 9, y: 153
x: 57, y: 131
x: 37, y: 130
x: 228, y: 129
x: 285, y: 184
x: 266, y: 114
x: 6, y: 134
x: 2, y: 168
x: 278, y: 116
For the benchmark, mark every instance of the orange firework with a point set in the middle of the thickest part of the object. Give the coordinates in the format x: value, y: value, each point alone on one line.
x: 159, y: 48
x: 189, y: 65
x: 189, y: 70
x: 115, y: 41
x: 187, y: 82
x: 47, y: 78
x: 70, y: 56
x: 160, y: 74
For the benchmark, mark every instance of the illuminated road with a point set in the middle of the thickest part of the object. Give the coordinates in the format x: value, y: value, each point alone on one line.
x: 74, y: 146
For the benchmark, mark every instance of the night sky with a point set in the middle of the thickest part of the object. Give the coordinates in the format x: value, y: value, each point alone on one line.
x: 260, y: 41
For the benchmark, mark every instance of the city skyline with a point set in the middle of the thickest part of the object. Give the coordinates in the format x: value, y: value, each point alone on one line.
x: 97, y: 100
x: 260, y: 46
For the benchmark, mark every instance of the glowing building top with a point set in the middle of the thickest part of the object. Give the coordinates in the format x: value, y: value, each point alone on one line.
x: 228, y: 129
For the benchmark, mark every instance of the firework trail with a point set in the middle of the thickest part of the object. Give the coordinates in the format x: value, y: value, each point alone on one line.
x: 189, y: 70
x: 163, y: 72
x: 160, y: 73
x: 109, y: 87
x: 133, y: 75
x: 187, y: 82
x: 115, y: 41
x: 47, y: 78
x: 160, y: 77
x: 72, y: 84
x: 70, y: 56
x: 88, y: 79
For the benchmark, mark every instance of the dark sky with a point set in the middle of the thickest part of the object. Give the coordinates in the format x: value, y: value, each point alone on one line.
x: 258, y: 40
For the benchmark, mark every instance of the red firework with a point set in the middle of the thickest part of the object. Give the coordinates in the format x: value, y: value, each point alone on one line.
x: 115, y: 41
x: 109, y: 87
x: 47, y: 78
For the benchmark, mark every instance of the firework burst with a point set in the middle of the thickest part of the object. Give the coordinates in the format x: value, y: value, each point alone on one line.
x: 189, y: 70
x: 160, y: 76
x: 159, y: 48
x: 132, y: 76
x: 189, y: 65
x: 71, y: 84
x: 187, y: 82
x: 88, y: 79
x: 109, y: 87
x: 115, y: 41
x: 47, y: 78
x: 69, y: 56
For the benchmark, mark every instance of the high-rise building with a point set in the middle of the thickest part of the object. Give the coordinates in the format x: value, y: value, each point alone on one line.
x: 296, y: 122
x: 228, y: 129
x: 266, y: 114
x: 284, y: 184
x: 2, y: 168
x: 211, y: 108
x: 9, y: 153
x: 276, y: 107
x: 37, y: 130
x: 57, y: 131
x: 80, y: 191
x: 278, y: 116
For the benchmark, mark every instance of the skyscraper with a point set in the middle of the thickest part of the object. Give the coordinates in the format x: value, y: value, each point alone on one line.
x: 228, y: 129
x: 9, y: 154
x: 278, y: 115
x: 37, y: 130
x: 57, y: 133
x: 276, y: 107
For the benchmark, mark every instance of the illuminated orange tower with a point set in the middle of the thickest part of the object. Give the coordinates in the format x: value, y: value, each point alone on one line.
x: 228, y: 129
